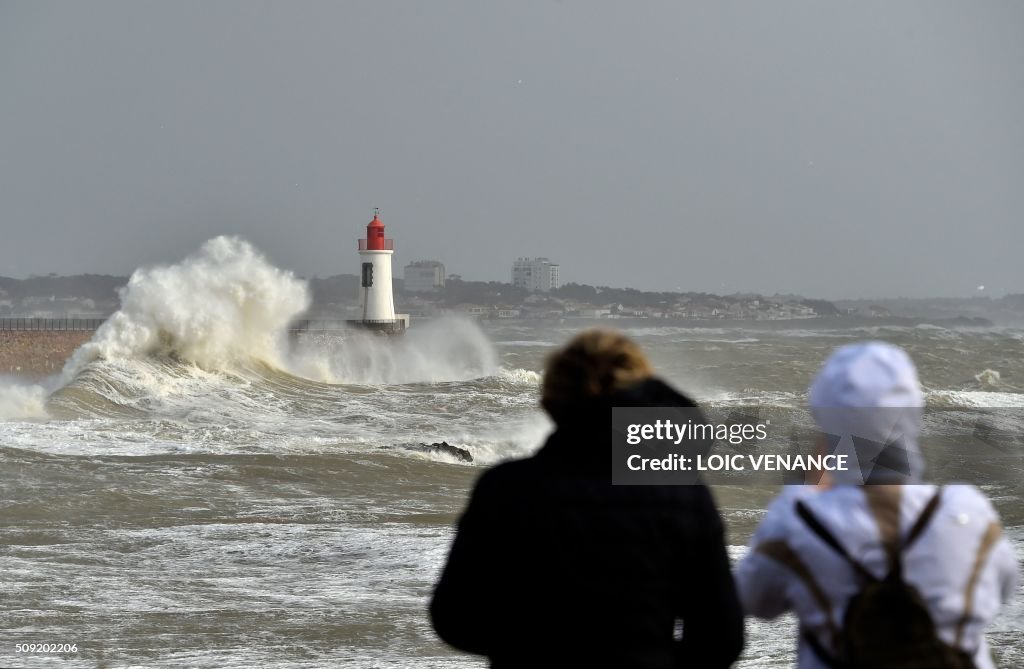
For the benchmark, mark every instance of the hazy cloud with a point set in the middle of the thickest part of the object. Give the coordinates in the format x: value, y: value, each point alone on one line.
x: 833, y: 150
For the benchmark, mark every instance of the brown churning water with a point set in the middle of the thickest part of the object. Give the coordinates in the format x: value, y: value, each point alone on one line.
x: 162, y: 513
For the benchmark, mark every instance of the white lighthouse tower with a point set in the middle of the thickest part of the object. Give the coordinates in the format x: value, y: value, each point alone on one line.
x: 375, y: 279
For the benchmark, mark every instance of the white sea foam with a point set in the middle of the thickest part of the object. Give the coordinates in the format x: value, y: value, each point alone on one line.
x: 525, y: 342
x: 226, y: 306
x: 801, y: 333
x: 509, y: 439
x: 524, y: 377
x: 202, y: 348
x: 21, y: 401
x: 741, y: 340
x: 447, y: 349
x: 988, y: 378
x: 974, y: 398
x: 754, y: 397
x: 224, y: 303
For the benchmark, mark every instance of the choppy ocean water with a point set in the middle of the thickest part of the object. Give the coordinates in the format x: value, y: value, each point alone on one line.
x: 211, y: 500
x: 161, y: 514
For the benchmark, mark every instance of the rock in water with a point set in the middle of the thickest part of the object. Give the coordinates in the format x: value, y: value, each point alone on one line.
x: 446, y: 448
x: 443, y: 447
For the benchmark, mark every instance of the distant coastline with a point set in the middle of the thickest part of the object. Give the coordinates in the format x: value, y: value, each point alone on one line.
x: 337, y: 297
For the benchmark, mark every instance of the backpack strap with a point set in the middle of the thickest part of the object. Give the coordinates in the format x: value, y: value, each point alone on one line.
x: 988, y: 542
x: 922, y: 521
x: 780, y: 552
x: 826, y: 658
x: 885, y: 503
x: 825, y: 535
x: 916, y: 530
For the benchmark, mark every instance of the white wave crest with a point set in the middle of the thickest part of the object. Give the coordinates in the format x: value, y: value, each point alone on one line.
x: 989, y: 378
x: 503, y: 440
x: 224, y: 303
x: 203, y: 329
x: 972, y: 398
x: 523, y: 377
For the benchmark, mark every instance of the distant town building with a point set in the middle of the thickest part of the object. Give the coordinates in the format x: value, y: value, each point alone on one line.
x: 537, y: 274
x: 424, y: 276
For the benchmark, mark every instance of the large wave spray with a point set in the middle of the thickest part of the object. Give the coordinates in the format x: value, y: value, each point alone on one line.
x: 225, y: 309
x: 223, y: 304
x: 449, y: 349
x: 19, y: 401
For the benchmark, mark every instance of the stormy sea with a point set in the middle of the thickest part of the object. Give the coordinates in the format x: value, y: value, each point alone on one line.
x: 197, y: 488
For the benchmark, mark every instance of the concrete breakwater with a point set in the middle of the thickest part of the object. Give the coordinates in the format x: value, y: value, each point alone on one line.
x: 38, y: 353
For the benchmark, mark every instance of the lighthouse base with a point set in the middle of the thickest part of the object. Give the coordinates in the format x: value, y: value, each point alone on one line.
x: 327, y: 326
x: 394, y: 327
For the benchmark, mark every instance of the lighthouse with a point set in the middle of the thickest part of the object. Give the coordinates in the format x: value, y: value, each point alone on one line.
x: 375, y: 253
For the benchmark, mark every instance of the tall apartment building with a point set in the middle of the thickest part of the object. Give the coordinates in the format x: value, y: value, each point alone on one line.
x: 424, y: 276
x: 537, y: 274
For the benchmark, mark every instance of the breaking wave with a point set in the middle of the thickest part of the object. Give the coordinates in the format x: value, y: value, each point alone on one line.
x: 211, y: 332
x: 988, y: 378
x: 226, y: 308
x: 224, y: 304
x: 974, y: 399
x: 523, y: 377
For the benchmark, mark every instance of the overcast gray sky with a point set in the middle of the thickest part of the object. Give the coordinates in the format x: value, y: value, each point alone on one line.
x: 829, y: 149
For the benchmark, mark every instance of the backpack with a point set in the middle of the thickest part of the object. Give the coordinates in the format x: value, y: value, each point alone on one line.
x: 887, y: 624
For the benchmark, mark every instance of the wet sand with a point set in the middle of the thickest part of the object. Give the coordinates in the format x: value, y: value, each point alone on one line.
x: 38, y: 353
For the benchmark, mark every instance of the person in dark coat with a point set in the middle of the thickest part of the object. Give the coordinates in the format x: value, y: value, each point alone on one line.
x: 552, y: 565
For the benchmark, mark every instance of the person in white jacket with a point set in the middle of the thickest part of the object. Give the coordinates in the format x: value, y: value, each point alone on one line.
x: 867, y: 399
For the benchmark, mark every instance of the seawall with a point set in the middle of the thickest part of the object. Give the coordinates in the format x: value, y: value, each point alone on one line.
x: 38, y: 353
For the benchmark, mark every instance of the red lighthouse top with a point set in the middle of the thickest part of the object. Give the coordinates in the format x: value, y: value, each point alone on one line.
x: 375, y: 240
